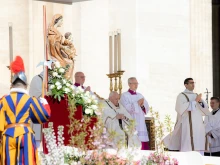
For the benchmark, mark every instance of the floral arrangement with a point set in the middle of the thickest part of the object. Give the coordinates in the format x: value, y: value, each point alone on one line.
x: 88, y: 101
x: 55, y: 147
x: 160, y: 156
x: 59, y: 86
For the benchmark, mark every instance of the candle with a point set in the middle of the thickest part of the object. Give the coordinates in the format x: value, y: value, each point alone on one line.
x: 119, y: 49
x: 115, y: 53
x: 110, y: 54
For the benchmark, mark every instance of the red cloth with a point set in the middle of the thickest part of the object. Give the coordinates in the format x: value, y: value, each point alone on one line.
x: 59, y: 116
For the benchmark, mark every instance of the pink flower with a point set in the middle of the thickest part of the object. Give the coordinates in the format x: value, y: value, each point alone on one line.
x: 165, y: 158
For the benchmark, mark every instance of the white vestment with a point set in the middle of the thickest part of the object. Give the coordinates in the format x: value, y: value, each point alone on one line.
x: 130, y: 102
x: 213, y: 126
x: 112, y: 125
x: 36, y: 91
x: 189, y: 131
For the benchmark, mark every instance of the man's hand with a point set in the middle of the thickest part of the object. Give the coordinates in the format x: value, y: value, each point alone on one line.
x: 141, y: 102
x: 88, y: 89
x: 199, y: 97
x: 120, y: 116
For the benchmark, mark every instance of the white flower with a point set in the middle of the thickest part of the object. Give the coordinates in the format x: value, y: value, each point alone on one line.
x: 64, y: 81
x: 73, y: 94
x: 88, y: 111
x: 93, y: 97
x: 94, y: 107
x: 54, y: 74
x: 57, y: 64
x: 67, y: 90
x: 61, y: 70
x: 52, y: 86
x: 72, y: 87
x: 58, y: 83
x: 87, y: 93
x: 67, y: 84
x: 80, y: 88
x: 59, y: 87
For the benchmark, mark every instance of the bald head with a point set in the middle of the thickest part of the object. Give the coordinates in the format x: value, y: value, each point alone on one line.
x: 79, y: 78
x: 114, y: 97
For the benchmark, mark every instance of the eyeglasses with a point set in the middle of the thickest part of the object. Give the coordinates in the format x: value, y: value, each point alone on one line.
x: 82, y: 76
x: 134, y: 83
x: 191, y: 82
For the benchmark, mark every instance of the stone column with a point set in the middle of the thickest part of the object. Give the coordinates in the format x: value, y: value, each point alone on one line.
x: 201, y: 44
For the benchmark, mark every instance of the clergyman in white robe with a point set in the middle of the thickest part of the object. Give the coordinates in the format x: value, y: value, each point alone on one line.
x: 113, y: 124
x: 130, y: 101
x: 189, y: 131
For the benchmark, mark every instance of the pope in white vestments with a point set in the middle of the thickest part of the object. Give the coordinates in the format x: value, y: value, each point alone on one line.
x: 116, y: 119
x: 213, y: 127
x: 189, y: 131
x: 138, y: 107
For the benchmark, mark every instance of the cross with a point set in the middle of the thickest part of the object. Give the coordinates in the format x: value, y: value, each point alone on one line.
x: 207, y: 95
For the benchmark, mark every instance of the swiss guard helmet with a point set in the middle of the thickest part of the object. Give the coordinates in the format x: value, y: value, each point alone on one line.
x: 17, y: 70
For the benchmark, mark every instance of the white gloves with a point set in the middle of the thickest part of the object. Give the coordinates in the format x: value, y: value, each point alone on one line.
x: 43, y: 101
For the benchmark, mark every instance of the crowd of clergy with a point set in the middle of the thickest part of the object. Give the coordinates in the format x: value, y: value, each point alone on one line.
x: 196, y: 128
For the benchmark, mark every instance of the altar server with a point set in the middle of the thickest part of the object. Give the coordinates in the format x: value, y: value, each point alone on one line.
x: 213, y: 127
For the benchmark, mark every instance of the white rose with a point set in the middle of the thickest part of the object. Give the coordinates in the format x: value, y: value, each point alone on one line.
x: 54, y: 74
x: 95, y: 101
x: 59, y: 87
x: 79, y: 88
x: 94, y: 107
x: 88, y: 111
x: 91, y: 113
x: 52, y: 86
x: 61, y: 70
x: 87, y: 93
x: 64, y: 81
x: 57, y: 83
x: 89, y: 101
x: 67, y: 84
x: 57, y: 64
x: 67, y: 90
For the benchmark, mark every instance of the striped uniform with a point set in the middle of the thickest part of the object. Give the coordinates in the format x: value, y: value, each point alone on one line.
x: 18, y: 143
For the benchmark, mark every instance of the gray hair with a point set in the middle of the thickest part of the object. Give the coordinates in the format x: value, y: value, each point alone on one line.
x: 112, y: 94
x: 131, y: 78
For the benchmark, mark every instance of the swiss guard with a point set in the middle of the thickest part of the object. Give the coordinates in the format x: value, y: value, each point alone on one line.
x: 17, y: 110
